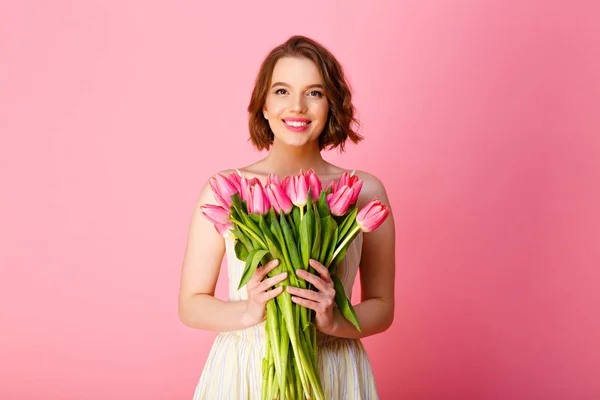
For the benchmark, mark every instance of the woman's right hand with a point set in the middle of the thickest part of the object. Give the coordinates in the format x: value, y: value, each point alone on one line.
x: 259, y: 292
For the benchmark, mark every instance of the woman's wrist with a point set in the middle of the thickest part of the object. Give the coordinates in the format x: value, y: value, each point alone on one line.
x: 331, y: 328
x: 247, y: 319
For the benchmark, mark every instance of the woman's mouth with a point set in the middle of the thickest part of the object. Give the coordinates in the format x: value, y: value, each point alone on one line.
x: 297, y: 124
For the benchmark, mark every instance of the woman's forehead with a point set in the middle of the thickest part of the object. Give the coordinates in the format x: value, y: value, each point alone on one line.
x: 296, y: 72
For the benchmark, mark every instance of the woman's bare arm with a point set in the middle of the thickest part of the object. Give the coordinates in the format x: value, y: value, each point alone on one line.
x: 198, y: 308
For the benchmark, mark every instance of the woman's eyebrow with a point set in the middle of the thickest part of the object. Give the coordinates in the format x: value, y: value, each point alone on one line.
x: 316, y: 85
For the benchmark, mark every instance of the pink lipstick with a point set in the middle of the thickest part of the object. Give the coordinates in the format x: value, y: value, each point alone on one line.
x: 296, y: 124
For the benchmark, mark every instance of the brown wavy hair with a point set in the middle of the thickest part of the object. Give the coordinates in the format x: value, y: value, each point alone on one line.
x: 341, y: 121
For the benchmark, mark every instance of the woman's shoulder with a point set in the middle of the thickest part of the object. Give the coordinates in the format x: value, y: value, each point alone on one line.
x: 225, y: 172
x: 370, y: 181
x: 372, y: 187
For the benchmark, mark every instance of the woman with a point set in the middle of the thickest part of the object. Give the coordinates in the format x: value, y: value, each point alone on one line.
x: 301, y: 104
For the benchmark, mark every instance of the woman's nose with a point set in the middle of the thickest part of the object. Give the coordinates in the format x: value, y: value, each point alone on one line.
x: 298, y: 104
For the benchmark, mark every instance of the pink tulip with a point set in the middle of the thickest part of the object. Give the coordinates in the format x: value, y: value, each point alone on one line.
x: 340, y: 200
x: 272, y: 178
x: 245, y: 185
x: 314, y: 183
x: 236, y: 180
x: 346, y: 180
x: 279, y: 199
x: 356, y: 188
x: 222, y: 189
x: 219, y: 216
x: 372, y: 215
x: 258, y: 202
x: 224, y: 229
x: 215, y: 214
x: 297, y: 189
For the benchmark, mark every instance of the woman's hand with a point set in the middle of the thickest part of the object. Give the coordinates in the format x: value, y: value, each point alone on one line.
x: 259, y: 293
x: 322, y: 301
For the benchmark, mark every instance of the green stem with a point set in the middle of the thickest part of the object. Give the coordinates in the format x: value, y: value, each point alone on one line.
x: 251, y: 232
x: 347, y: 240
x: 302, y: 362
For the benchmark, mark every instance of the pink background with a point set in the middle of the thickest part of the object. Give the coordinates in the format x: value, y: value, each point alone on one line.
x: 481, y: 118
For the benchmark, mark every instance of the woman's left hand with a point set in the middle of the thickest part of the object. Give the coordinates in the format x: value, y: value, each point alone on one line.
x: 322, y: 301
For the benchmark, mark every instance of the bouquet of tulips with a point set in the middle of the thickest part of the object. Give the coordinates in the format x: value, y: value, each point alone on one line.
x: 292, y: 220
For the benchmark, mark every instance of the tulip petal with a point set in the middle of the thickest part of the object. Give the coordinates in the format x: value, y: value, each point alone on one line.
x: 371, y: 216
x: 215, y: 214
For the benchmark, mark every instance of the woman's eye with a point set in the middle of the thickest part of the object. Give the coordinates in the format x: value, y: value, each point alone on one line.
x: 315, y: 93
x: 280, y: 91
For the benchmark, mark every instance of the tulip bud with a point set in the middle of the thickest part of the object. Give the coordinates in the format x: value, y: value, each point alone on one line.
x: 356, y: 188
x: 279, y: 199
x: 215, y: 214
x: 219, y: 216
x: 222, y: 189
x: 245, y: 185
x: 371, y: 216
x: 297, y: 190
x: 225, y: 230
x: 236, y: 180
x: 315, y: 184
x: 272, y: 178
x: 258, y: 202
x: 340, y: 200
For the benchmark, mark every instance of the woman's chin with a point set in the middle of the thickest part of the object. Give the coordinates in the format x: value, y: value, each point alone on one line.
x: 297, y: 142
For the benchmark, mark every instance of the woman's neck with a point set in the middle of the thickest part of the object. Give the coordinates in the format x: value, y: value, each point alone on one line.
x: 285, y: 160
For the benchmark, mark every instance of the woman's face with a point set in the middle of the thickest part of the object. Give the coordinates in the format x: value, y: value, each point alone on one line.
x: 296, y: 105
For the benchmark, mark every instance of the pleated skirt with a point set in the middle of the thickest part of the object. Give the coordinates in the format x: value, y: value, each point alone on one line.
x: 233, y: 370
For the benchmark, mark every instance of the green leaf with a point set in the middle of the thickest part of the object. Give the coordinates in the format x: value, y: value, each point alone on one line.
x: 292, y: 248
x: 343, y: 303
x: 241, y: 251
x: 252, y: 260
x: 345, y: 226
x: 332, y: 247
x: 329, y: 228
x: 254, y: 217
x: 317, y: 239
x: 243, y: 237
x: 296, y: 215
x: 251, y: 224
x: 237, y: 201
x: 248, y: 226
x: 295, y: 228
x: 289, y: 264
x: 338, y: 259
x: 323, y: 205
x: 306, y: 235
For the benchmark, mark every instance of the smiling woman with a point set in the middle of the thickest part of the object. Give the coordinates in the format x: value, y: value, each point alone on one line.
x: 296, y: 105
x: 301, y: 104
x: 302, y: 76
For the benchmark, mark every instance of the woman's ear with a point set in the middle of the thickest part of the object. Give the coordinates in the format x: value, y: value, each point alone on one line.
x: 265, y: 113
